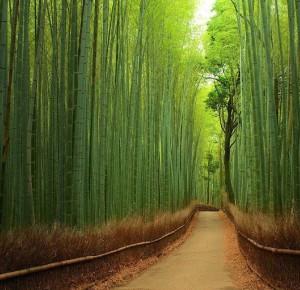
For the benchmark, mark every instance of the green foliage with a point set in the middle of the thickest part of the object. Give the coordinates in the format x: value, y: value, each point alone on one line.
x: 217, y: 99
x: 210, y: 146
x: 222, y: 67
x: 266, y: 155
x: 221, y: 41
x: 212, y: 165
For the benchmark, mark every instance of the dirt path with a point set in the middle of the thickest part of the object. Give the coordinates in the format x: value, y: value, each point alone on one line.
x: 196, y: 265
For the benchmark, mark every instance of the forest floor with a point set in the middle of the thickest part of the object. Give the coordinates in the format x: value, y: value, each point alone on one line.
x: 207, y: 258
x: 243, y: 277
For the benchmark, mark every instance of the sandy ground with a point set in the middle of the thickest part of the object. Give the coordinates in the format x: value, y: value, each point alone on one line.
x: 198, y: 264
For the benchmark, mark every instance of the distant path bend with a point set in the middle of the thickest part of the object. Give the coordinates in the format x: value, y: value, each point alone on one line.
x: 198, y: 264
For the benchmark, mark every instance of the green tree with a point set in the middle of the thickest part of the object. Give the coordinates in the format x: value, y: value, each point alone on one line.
x: 222, y: 68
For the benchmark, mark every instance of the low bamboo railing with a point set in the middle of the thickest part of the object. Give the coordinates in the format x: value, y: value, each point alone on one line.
x: 273, y: 250
x: 50, y: 266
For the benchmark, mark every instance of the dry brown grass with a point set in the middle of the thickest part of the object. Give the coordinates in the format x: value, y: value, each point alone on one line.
x: 240, y: 273
x: 280, y: 270
x: 130, y: 271
x: 280, y: 232
x: 39, y: 246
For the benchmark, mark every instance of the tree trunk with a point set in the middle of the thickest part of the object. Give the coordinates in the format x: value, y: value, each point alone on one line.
x: 227, y: 151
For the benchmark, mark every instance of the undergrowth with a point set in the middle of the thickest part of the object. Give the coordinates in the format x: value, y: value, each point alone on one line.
x: 280, y: 232
x: 41, y: 245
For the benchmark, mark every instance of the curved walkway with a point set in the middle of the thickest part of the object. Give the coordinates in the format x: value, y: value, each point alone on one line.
x: 198, y: 264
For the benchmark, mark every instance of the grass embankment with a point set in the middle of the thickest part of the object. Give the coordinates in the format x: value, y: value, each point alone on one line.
x: 278, y: 232
x: 40, y: 245
x: 279, y: 270
x: 240, y: 273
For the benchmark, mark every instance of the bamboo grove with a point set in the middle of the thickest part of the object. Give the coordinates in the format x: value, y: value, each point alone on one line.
x: 266, y: 158
x: 256, y: 95
x: 97, y: 110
